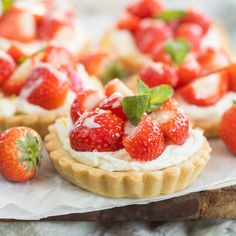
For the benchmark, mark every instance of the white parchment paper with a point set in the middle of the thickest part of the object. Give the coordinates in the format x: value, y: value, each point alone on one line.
x: 49, y: 195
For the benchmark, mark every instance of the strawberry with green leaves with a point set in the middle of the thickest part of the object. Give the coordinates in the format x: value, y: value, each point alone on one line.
x: 20, y: 149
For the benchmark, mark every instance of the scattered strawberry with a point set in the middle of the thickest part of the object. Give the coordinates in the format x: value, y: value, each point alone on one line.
x: 20, y: 149
x: 46, y: 87
x: 144, y: 142
x: 128, y: 22
x: 198, y: 18
x: 87, y: 100
x: 19, y: 25
x: 117, y: 85
x: 192, y: 33
x: 114, y: 104
x: 151, y: 35
x: 207, y: 90
x: 159, y: 73
x: 228, y: 128
x: 145, y: 8
x: 18, y: 79
x: 98, y: 130
x: 174, y: 125
x: 188, y: 71
x: 7, y: 66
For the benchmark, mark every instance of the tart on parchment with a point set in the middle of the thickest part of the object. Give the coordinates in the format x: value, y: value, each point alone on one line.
x: 136, y: 146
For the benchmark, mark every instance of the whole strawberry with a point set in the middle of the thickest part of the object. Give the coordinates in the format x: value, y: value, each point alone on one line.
x: 98, y: 130
x: 20, y: 149
x: 228, y: 128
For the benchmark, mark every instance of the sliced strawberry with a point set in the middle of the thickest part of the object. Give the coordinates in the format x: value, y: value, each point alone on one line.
x: 207, y: 90
x: 117, y: 85
x: 174, y: 125
x: 16, y: 52
x: 100, y: 131
x: 58, y: 56
x: 198, y: 18
x: 7, y: 66
x: 151, y: 34
x: 145, y: 8
x: 159, y: 55
x: 188, y: 71
x: 114, y: 103
x: 87, y: 100
x: 159, y: 73
x: 231, y: 71
x: 18, y: 79
x: 128, y: 22
x: 170, y: 105
x: 19, y: 25
x: 144, y: 142
x: 192, y: 33
x: 46, y: 87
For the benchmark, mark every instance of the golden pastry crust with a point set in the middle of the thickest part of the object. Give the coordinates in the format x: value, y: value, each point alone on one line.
x: 132, y: 184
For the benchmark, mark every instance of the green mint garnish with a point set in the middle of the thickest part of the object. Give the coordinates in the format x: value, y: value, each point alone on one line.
x: 170, y: 15
x: 177, y: 50
x: 148, y: 100
x: 6, y: 5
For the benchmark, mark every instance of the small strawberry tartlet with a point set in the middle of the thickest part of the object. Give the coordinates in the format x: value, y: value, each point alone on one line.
x: 125, y: 145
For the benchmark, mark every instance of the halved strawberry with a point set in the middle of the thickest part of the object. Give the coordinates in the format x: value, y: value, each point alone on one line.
x: 114, y: 103
x: 87, y: 100
x: 192, y: 33
x: 18, y: 79
x: 100, y: 131
x: 46, y: 87
x: 207, y: 90
x: 7, y: 66
x: 128, y: 22
x: 198, y: 18
x: 117, y: 85
x: 145, y: 8
x: 144, y: 142
x: 19, y: 25
x: 151, y: 34
x: 188, y: 71
x: 159, y: 73
x: 174, y: 125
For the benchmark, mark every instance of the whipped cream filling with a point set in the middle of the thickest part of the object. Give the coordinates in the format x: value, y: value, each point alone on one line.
x: 121, y: 161
x: 210, y: 113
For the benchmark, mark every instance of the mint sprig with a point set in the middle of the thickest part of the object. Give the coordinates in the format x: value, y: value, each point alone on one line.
x: 177, y: 50
x: 170, y: 15
x: 6, y: 5
x: 148, y: 100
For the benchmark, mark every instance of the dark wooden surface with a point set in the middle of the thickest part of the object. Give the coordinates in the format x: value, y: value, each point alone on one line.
x: 215, y: 204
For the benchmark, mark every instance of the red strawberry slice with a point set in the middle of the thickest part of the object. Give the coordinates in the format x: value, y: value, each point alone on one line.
x: 145, y: 8
x: 144, y: 142
x: 18, y: 79
x: 159, y: 73
x: 100, y: 131
x: 114, y: 103
x: 207, y: 90
x: 117, y: 85
x: 188, y: 71
x: 19, y: 25
x: 7, y: 66
x: 128, y: 22
x: 151, y: 34
x: 174, y: 125
x: 160, y: 55
x: 231, y: 70
x: 46, y: 87
x: 198, y: 18
x: 16, y: 52
x: 170, y: 105
x: 87, y: 100
x: 192, y: 33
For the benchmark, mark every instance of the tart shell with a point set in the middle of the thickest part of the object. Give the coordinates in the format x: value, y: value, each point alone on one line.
x: 131, y: 184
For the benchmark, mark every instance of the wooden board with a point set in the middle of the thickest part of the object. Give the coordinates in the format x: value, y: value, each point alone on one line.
x: 215, y: 204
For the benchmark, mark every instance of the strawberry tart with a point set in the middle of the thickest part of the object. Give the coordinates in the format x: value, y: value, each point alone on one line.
x: 27, y: 26
x: 40, y: 88
x: 125, y: 145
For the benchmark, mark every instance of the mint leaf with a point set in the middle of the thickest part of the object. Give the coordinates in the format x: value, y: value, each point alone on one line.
x: 142, y: 88
x: 161, y: 93
x: 135, y: 106
x: 177, y: 50
x: 170, y: 15
x: 6, y: 5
